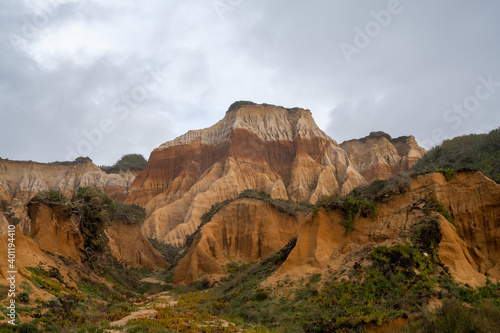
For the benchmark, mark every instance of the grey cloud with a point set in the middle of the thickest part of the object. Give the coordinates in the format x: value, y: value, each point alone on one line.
x: 427, y: 59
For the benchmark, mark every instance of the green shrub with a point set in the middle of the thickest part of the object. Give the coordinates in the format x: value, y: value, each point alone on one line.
x: 447, y: 173
x: 351, y: 205
x: 96, y: 210
x: 202, y: 284
x: 50, y: 197
x: 169, y: 252
x: 23, y: 297
x: 260, y: 295
x: 135, y: 162
x: 433, y: 203
x: 455, y: 317
x: 129, y: 213
x: 469, y: 152
x: 426, y: 235
x: 4, y: 205
x: 284, y: 206
x: 82, y: 159
x: 236, y: 105
x: 379, y: 190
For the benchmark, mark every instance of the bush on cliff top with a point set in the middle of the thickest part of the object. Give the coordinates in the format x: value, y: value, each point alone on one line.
x: 96, y: 210
x: 351, y: 205
x: 475, y: 151
x: 135, y: 162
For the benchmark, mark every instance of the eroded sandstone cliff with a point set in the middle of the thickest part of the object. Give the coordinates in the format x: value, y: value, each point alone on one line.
x: 57, y: 231
x: 23, y: 179
x: 245, y: 230
x: 277, y: 150
x: 132, y: 248
x: 378, y: 156
x: 470, y: 250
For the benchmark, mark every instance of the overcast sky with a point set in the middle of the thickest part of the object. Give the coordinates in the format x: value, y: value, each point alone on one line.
x: 110, y: 77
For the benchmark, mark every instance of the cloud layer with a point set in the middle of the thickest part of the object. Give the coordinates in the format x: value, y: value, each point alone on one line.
x: 107, y: 78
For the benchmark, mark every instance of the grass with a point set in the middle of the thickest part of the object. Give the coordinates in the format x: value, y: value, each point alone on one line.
x: 455, y: 317
x: 89, y: 307
x: 476, y: 151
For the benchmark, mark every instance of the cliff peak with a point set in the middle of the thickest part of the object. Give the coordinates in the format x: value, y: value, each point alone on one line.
x: 268, y: 122
x: 270, y: 148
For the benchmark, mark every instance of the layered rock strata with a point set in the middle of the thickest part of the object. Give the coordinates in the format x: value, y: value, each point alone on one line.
x: 470, y: 250
x: 265, y: 147
x: 378, y: 156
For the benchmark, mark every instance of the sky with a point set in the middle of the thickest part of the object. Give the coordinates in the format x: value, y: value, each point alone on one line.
x: 111, y: 77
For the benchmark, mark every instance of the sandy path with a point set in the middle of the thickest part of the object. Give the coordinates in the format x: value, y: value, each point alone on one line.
x: 160, y: 300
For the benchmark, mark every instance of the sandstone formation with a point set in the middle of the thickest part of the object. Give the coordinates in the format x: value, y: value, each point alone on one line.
x: 378, y: 156
x: 132, y: 248
x: 277, y: 150
x: 3, y: 224
x: 470, y: 251
x: 23, y: 179
x: 27, y: 253
x: 55, y: 230
x: 245, y: 230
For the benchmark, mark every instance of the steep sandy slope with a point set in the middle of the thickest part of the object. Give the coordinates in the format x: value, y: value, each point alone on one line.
x: 3, y: 224
x: 27, y: 254
x: 132, y: 248
x: 378, y: 156
x: 245, y: 230
x: 56, y: 231
x: 471, y: 251
x: 281, y: 151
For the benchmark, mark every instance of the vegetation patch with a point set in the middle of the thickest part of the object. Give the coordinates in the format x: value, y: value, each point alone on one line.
x: 447, y: 173
x: 454, y: 316
x: 236, y: 105
x: 284, y: 206
x: 96, y: 210
x: 205, y: 218
x: 396, y: 283
x: 130, y: 162
x: 129, y: 213
x: 6, y: 210
x: 426, y: 235
x: 169, y: 252
x: 473, y: 152
x: 433, y: 203
x: 351, y: 205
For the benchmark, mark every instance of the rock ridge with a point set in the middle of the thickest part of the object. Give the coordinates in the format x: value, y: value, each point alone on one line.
x: 255, y: 146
